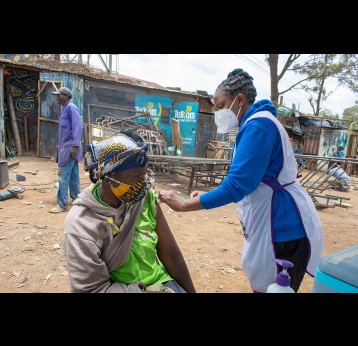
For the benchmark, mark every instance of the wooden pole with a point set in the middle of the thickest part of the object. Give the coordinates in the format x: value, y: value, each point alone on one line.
x: 13, y: 119
x: 38, y: 116
x: 26, y: 131
x: 2, y: 120
x: 43, y: 87
x: 89, y: 124
x: 50, y: 120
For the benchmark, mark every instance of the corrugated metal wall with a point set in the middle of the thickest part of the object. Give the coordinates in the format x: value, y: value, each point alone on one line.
x: 311, y: 140
x: 352, y: 150
x: 48, y: 117
x: 205, y: 105
x: 71, y: 81
x: 2, y: 122
x: 206, y: 131
x: 50, y: 110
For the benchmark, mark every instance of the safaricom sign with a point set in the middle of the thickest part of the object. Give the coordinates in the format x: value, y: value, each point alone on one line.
x: 184, y: 115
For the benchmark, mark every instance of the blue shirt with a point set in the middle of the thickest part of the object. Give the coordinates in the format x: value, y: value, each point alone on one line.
x: 69, y: 134
x: 338, y: 154
x: 338, y: 173
x: 258, y: 157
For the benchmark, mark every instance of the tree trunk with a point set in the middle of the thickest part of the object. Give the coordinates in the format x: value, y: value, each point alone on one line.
x: 273, y: 63
x: 321, y: 84
x: 57, y: 57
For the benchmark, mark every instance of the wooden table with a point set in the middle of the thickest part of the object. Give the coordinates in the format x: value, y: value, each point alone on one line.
x: 198, y: 169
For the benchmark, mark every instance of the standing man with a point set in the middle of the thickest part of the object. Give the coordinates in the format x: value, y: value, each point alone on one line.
x: 69, y: 149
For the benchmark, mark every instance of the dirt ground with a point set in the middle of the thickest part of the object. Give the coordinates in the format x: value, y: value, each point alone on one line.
x: 31, y: 239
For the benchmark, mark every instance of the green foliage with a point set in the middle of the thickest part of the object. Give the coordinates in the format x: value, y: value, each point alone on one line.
x: 315, y: 71
x: 326, y: 113
x: 351, y: 113
x: 348, y: 75
x: 319, y: 67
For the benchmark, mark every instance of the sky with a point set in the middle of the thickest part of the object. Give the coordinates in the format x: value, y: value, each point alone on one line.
x: 192, y: 72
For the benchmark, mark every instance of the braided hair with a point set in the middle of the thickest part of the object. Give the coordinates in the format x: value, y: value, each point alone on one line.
x: 239, y: 81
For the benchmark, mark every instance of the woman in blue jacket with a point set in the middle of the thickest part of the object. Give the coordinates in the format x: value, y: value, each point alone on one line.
x: 279, y: 219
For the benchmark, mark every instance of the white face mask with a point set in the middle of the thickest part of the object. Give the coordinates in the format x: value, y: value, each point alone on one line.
x: 226, y: 120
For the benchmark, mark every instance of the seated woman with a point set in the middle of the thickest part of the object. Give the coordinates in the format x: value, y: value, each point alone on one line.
x: 116, y: 236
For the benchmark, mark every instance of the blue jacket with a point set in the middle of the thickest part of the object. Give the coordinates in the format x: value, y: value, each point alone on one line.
x: 69, y: 134
x: 258, y: 157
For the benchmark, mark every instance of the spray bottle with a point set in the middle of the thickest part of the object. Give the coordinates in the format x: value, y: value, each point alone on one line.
x: 283, y: 279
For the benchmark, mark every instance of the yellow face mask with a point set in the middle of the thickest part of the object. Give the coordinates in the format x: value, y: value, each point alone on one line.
x: 129, y: 193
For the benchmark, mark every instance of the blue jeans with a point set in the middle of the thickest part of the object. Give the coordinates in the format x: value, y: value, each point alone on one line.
x: 175, y: 286
x: 68, y: 178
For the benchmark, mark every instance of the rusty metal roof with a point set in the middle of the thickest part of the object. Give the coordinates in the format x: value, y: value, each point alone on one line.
x: 93, y: 73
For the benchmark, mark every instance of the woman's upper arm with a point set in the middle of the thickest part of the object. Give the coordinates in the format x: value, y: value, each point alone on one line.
x: 165, y: 236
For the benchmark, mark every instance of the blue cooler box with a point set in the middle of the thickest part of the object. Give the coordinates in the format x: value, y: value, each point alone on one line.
x: 338, y: 273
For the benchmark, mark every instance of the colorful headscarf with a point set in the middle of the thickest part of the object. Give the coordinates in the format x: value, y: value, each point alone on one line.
x: 114, y: 154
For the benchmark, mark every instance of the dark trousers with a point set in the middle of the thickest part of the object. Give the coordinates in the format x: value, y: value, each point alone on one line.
x: 297, y: 252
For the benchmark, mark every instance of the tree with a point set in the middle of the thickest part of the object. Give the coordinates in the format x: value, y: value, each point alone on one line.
x: 349, y: 75
x: 351, y: 113
x: 315, y: 71
x: 327, y: 113
x: 272, y: 60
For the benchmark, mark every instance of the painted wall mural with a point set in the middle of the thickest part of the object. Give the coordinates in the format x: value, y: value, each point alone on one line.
x: 23, y: 84
x: 160, y: 108
x: 162, y: 111
x: 330, y: 139
x: 187, y: 115
x: 24, y: 89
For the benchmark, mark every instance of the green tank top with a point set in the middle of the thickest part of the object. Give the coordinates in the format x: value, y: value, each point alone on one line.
x: 143, y: 263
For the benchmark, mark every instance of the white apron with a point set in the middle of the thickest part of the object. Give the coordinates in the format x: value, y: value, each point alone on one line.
x: 254, y: 212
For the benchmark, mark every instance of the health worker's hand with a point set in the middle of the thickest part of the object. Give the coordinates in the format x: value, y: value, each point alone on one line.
x: 173, y: 200
x: 196, y: 194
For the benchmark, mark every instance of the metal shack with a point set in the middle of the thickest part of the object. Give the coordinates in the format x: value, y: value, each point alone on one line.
x: 29, y: 112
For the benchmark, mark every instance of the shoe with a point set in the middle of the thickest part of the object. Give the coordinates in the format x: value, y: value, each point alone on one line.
x: 58, y: 209
x: 71, y: 201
